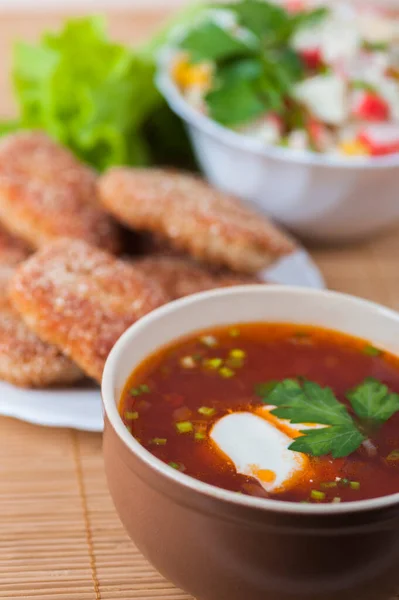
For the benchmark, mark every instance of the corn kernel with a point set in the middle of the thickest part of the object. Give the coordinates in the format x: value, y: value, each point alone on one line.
x: 354, y: 148
x: 189, y: 75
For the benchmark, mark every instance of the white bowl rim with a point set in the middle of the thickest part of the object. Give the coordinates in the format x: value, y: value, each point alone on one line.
x: 276, y: 506
x: 241, y: 142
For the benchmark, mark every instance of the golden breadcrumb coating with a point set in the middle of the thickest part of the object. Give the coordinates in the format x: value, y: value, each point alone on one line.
x: 45, y: 193
x: 25, y: 360
x: 82, y: 299
x: 180, y: 276
x: 193, y: 217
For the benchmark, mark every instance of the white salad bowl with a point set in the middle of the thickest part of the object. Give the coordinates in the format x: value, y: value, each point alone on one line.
x: 319, y: 197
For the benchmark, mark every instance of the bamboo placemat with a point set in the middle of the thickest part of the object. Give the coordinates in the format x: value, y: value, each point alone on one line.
x: 60, y: 537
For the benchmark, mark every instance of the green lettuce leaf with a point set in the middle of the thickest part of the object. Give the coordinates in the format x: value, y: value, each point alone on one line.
x: 89, y: 93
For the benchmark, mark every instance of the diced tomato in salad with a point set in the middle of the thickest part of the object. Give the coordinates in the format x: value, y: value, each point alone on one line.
x: 316, y: 131
x: 380, y: 140
x: 372, y: 108
x: 312, y: 58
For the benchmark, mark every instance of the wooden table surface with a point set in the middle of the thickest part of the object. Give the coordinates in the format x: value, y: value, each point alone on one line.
x: 59, y: 535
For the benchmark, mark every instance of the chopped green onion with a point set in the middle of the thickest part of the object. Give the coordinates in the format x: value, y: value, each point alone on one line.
x: 158, y: 441
x: 379, y: 46
x: 393, y: 456
x: 345, y: 482
x: 371, y: 351
x: 213, y: 363
x: 316, y: 495
x: 360, y: 84
x: 304, y: 502
x: 234, y: 363
x: 141, y: 389
x: 301, y: 334
x: 328, y: 484
x: 187, y: 362
x: 336, y: 500
x: 184, y: 427
x: 200, y: 436
x: 226, y: 372
x: 234, y: 332
x: 174, y: 466
x: 131, y: 415
x: 205, y: 410
x: 177, y: 466
x: 237, y: 353
x: 128, y: 427
x: 209, y: 340
x: 354, y: 485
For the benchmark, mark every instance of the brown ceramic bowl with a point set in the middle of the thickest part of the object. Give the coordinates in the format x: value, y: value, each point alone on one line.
x: 218, y: 545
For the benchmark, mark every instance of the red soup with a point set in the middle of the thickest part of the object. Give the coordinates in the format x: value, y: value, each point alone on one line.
x: 300, y: 414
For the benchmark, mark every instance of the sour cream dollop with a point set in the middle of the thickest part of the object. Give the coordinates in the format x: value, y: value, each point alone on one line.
x: 258, y: 446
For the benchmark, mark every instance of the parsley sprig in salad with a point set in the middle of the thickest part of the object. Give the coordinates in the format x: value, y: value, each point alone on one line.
x: 254, y: 64
x: 302, y: 401
x: 325, y: 80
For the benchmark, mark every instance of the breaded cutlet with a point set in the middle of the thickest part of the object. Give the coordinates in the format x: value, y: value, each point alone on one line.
x: 12, y: 249
x: 25, y: 361
x: 45, y: 193
x: 82, y: 299
x: 193, y: 217
x: 181, y: 276
x: 12, y: 252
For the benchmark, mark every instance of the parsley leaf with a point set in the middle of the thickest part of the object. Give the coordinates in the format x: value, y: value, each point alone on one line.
x: 282, y: 68
x: 272, y: 23
x: 235, y: 103
x: 264, y: 389
x: 256, y: 68
x: 309, y: 18
x: 337, y: 440
x: 307, y: 403
x: 246, y: 68
x: 246, y: 88
x: 373, y: 402
x: 263, y: 19
x: 210, y: 42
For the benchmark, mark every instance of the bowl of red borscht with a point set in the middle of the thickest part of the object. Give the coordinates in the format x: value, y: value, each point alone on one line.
x: 251, y: 443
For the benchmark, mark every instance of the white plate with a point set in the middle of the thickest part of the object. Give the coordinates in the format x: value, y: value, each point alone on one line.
x: 80, y: 408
